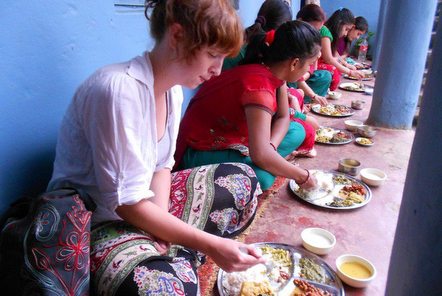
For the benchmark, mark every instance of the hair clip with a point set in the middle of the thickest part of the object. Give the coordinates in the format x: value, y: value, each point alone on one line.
x: 270, y: 36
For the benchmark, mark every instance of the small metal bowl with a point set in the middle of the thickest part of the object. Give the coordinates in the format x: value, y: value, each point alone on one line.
x: 334, y: 95
x: 368, y: 90
x: 367, y: 131
x: 349, y: 166
x: 357, y: 104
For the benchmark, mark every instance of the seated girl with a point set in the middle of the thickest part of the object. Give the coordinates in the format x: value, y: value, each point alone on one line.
x: 238, y: 116
x: 314, y: 83
x: 344, y: 43
x: 338, y: 25
x: 271, y: 15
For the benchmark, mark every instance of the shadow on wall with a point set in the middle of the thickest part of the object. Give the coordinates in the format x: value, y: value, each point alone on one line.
x: 30, y: 178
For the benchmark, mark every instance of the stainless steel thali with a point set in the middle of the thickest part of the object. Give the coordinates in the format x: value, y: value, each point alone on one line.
x: 326, y: 278
x: 329, y: 194
x: 328, y: 135
x: 333, y: 110
x: 351, y: 86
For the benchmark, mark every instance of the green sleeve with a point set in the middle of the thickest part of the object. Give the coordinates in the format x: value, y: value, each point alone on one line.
x: 300, y: 115
x: 325, y: 32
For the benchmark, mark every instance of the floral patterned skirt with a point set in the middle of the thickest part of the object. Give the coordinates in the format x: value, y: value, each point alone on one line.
x: 220, y: 199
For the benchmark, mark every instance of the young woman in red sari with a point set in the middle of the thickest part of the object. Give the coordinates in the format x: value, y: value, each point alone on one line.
x: 238, y: 116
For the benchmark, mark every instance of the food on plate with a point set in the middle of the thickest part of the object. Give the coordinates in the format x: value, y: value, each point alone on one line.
x: 334, y: 190
x: 368, y: 75
x: 355, y: 86
x: 327, y: 135
x: 340, y: 137
x: 324, y: 134
x: 332, y: 110
x: 277, y: 277
x: 256, y: 288
x: 353, y: 188
x: 349, y: 195
x: 365, y: 141
x: 341, y: 180
x: 305, y: 288
x: 312, y: 271
x: 323, y: 187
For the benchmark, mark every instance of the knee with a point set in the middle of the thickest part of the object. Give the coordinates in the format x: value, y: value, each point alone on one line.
x: 236, y: 193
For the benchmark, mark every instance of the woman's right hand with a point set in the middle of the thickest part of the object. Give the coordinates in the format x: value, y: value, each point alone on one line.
x: 307, y: 182
x: 357, y: 74
x: 311, y: 183
x: 320, y: 100
x: 231, y: 255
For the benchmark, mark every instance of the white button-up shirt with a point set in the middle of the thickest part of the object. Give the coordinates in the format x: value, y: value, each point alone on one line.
x: 107, y: 144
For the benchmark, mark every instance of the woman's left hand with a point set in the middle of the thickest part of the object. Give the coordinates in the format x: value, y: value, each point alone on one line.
x: 161, y: 245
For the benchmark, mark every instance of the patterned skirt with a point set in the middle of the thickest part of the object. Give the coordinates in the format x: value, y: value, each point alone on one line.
x: 220, y: 199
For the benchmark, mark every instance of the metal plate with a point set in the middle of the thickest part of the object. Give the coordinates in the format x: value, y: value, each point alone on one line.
x: 323, y: 200
x: 355, y: 78
x: 333, y: 132
x: 358, y: 140
x: 318, y: 109
x: 350, y: 86
x: 333, y: 284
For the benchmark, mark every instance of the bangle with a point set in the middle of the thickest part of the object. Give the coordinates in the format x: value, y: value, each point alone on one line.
x: 273, y: 146
x: 306, y: 179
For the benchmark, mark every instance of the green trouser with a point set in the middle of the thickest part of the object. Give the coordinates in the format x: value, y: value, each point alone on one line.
x: 319, y: 82
x: 292, y: 140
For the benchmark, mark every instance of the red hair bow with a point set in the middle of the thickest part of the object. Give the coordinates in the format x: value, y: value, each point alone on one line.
x: 270, y: 35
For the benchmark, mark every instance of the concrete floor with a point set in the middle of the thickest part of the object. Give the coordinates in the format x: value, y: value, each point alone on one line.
x: 367, y: 231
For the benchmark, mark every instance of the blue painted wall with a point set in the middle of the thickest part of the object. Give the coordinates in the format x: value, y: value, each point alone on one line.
x: 368, y: 9
x: 47, y: 49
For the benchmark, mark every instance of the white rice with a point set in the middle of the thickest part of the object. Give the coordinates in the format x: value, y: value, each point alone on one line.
x: 232, y: 281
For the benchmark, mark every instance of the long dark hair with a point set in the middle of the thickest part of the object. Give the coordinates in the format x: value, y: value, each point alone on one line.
x: 271, y: 15
x: 336, y: 21
x: 293, y: 39
x: 361, y: 24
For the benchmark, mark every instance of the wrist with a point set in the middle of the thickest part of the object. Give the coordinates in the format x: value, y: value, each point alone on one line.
x: 305, y: 178
x: 209, y: 245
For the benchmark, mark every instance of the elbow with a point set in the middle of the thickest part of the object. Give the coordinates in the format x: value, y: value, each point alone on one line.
x: 260, y: 158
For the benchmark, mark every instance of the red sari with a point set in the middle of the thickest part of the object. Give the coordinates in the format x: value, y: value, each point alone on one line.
x: 215, y: 118
x: 336, y: 74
